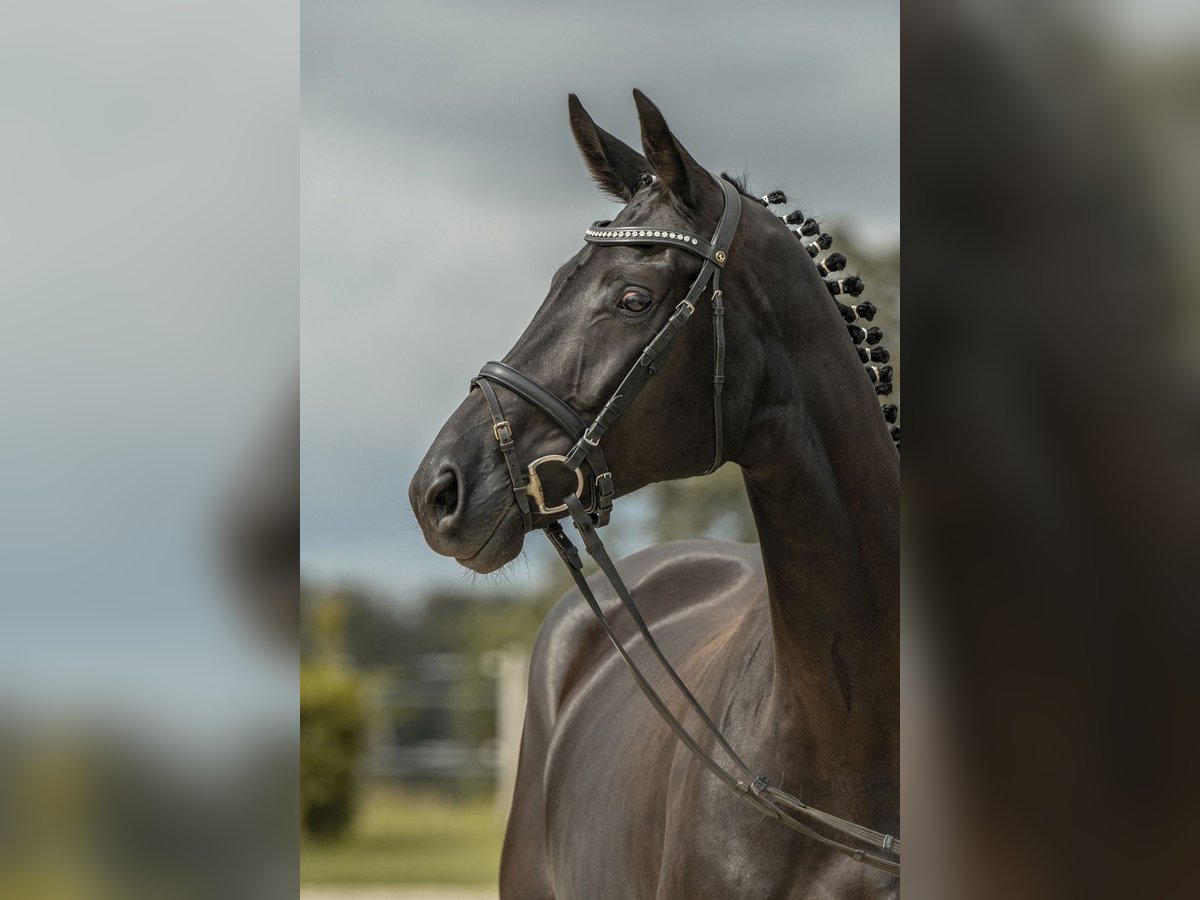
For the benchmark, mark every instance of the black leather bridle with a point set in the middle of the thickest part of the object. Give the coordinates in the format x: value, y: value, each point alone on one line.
x: 527, y: 486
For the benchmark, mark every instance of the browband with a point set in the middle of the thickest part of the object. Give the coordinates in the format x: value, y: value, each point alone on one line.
x: 600, y: 234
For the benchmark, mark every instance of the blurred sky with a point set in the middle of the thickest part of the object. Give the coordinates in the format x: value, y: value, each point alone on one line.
x: 441, y: 188
x: 148, y: 349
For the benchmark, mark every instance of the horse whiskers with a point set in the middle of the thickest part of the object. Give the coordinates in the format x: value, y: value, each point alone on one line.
x: 504, y: 574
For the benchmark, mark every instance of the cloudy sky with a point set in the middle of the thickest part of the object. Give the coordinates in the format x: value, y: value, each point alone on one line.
x: 424, y: 123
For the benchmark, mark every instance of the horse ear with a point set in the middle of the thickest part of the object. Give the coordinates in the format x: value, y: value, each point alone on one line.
x: 686, y: 178
x: 614, y: 165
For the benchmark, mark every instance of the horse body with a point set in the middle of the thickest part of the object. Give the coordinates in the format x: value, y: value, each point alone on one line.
x: 791, y: 647
x: 609, y: 804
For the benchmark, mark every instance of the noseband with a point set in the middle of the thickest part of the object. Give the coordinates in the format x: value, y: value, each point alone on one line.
x: 527, y: 486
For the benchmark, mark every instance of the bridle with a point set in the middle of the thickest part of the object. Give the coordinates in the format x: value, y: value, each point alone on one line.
x: 527, y: 486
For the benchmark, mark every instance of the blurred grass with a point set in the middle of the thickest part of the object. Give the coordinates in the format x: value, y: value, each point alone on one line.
x: 400, y: 837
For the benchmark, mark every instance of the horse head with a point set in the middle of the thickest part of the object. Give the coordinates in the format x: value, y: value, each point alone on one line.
x: 604, y: 305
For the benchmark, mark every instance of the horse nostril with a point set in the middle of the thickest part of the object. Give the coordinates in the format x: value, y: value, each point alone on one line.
x: 443, y: 494
x: 447, y: 500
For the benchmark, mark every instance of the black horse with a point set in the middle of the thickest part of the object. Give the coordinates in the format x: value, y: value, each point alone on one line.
x: 792, y: 647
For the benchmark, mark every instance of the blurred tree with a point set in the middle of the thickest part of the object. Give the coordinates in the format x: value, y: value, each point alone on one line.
x: 354, y: 630
x: 332, y: 725
x: 714, y: 506
x: 376, y: 633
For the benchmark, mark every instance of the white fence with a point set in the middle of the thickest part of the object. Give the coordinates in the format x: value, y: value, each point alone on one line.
x: 445, y: 689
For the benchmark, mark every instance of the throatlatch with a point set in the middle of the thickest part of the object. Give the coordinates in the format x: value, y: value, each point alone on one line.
x: 531, y: 498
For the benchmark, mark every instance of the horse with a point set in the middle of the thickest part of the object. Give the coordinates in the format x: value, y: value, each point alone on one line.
x: 791, y: 645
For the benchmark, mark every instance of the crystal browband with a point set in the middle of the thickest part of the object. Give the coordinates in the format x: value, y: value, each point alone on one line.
x: 599, y: 233
x: 625, y: 233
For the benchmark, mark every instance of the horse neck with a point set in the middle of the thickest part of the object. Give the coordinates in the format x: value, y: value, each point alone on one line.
x: 823, y: 481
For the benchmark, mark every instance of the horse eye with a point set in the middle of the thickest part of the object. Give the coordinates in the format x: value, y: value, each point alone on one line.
x: 645, y: 180
x: 635, y: 302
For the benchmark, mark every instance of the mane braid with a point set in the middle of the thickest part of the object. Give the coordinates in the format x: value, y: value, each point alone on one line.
x: 873, y: 355
x: 741, y: 182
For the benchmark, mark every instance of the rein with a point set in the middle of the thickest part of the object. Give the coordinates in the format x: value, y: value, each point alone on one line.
x: 884, y: 852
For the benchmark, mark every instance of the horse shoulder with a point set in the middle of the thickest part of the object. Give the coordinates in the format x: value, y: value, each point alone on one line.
x: 684, y: 590
x: 693, y: 595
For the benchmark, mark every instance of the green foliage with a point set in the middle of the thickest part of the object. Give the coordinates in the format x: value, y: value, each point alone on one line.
x: 376, y: 635
x: 465, y: 623
x: 714, y: 506
x: 327, y: 626
x: 332, y: 729
x: 375, y: 632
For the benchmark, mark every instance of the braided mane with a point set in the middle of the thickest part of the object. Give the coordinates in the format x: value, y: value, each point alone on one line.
x: 867, y: 341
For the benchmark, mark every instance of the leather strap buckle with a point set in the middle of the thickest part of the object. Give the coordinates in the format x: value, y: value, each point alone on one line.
x: 562, y: 543
x: 503, y: 426
x: 604, y: 489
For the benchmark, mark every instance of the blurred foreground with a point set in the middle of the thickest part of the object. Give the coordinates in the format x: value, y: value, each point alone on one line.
x: 1051, y: 456
x: 149, y: 517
